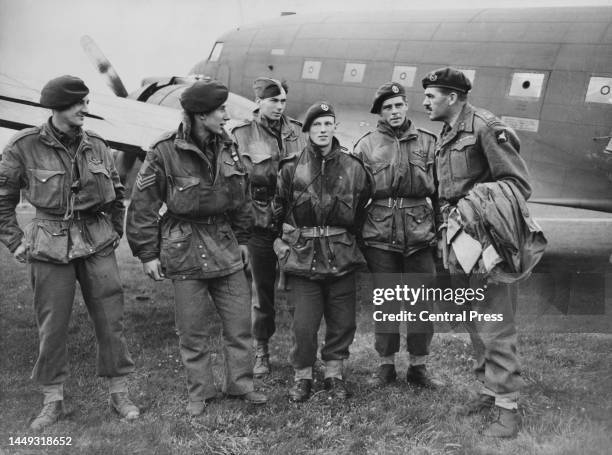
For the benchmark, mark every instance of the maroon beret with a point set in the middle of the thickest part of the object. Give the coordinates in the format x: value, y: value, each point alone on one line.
x: 384, y: 92
x: 320, y: 109
x: 62, y: 92
x: 204, y: 96
x: 448, y: 77
x: 264, y: 87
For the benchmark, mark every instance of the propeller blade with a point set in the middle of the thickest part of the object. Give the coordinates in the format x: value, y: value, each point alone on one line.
x: 104, y: 66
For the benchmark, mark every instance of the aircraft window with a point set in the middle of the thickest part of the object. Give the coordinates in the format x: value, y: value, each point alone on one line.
x: 311, y: 69
x: 599, y: 90
x: 216, y: 52
x: 353, y: 72
x: 527, y: 85
x: 404, y: 75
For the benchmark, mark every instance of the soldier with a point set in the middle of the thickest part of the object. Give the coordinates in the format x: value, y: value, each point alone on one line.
x: 269, y: 137
x: 200, y: 242
x: 68, y: 175
x: 475, y: 147
x: 321, y: 197
x: 399, y: 229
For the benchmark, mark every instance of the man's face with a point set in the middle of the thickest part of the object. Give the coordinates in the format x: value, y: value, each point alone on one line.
x: 74, y: 116
x: 322, y: 130
x: 393, y: 111
x: 215, y: 121
x: 436, y: 104
x: 272, y: 108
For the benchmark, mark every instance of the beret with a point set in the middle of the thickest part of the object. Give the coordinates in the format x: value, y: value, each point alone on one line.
x: 448, y: 78
x: 264, y: 87
x: 320, y: 109
x: 384, y: 92
x: 204, y: 96
x: 62, y: 92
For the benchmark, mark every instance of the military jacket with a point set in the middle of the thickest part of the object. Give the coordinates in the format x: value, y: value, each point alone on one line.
x: 78, y: 196
x: 400, y: 217
x: 479, y: 148
x: 207, y: 214
x: 261, y: 148
x: 322, y: 203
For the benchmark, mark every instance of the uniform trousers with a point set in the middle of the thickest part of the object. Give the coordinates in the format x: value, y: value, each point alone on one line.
x: 419, y: 333
x: 54, y: 288
x: 497, y: 365
x: 263, y: 266
x: 195, y: 301
x: 332, y: 298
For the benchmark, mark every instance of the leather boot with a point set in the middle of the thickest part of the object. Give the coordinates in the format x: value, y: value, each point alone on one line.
x: 49, y: 414
x: 506, y: 424
x: 262, y: 360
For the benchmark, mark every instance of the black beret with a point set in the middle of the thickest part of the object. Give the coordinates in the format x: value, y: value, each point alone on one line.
x: 204, y: 96
x: 384, y: 92
x: 62, y: 92
x: 320, y: 109
x: 448, y: 78
x: 264, y: 87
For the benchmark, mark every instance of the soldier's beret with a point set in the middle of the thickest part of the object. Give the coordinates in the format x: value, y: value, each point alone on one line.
x: 448, y: 78
x: 204, y: 96
x: 384, y: 92
x: 62, y: 92
x: 320, y: 109
x: 264, y: 87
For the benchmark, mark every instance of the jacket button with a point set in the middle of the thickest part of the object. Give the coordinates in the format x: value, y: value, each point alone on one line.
x: 180, y: 188
x: 200, y: 246
x: 203, y: 255
x: 334, y: 269
x: 205, y: 264
x: 313, y: 269
x: 183, y: 277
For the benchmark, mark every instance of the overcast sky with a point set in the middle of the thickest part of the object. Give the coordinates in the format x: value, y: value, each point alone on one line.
x: 39, y: 39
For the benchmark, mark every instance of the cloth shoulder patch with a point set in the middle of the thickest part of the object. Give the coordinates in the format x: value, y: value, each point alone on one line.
x: 145, y: 177
x: 143, y: 182
x: 501, y: 136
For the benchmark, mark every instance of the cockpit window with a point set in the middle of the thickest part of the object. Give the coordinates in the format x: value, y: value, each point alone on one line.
x: 216, y: 52
x: 599, y: 91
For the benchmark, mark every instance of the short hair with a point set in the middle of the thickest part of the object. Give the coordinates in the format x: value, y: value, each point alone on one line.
x: 461, y: 96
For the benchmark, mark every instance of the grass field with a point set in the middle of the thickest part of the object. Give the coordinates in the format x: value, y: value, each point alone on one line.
x: 567, y: 405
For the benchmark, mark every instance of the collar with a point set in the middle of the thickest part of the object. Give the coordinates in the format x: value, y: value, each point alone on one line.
x: 316, y: 151
x: 282, y: 126
x: 407, y: 130
x: 54, y: 137
x: 184, y: 140
x: 74, y: 136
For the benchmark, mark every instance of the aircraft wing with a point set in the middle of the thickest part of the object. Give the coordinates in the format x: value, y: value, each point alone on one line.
x: 127, y: 125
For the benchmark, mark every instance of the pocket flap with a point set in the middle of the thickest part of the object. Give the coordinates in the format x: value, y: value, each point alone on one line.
x: 98, y: 168
x: 43, y: 175
x: 377, y: 167
x: 184, y: 183
x: 464, y: 142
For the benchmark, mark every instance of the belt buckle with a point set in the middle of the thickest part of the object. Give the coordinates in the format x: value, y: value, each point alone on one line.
x: 392, y: 203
